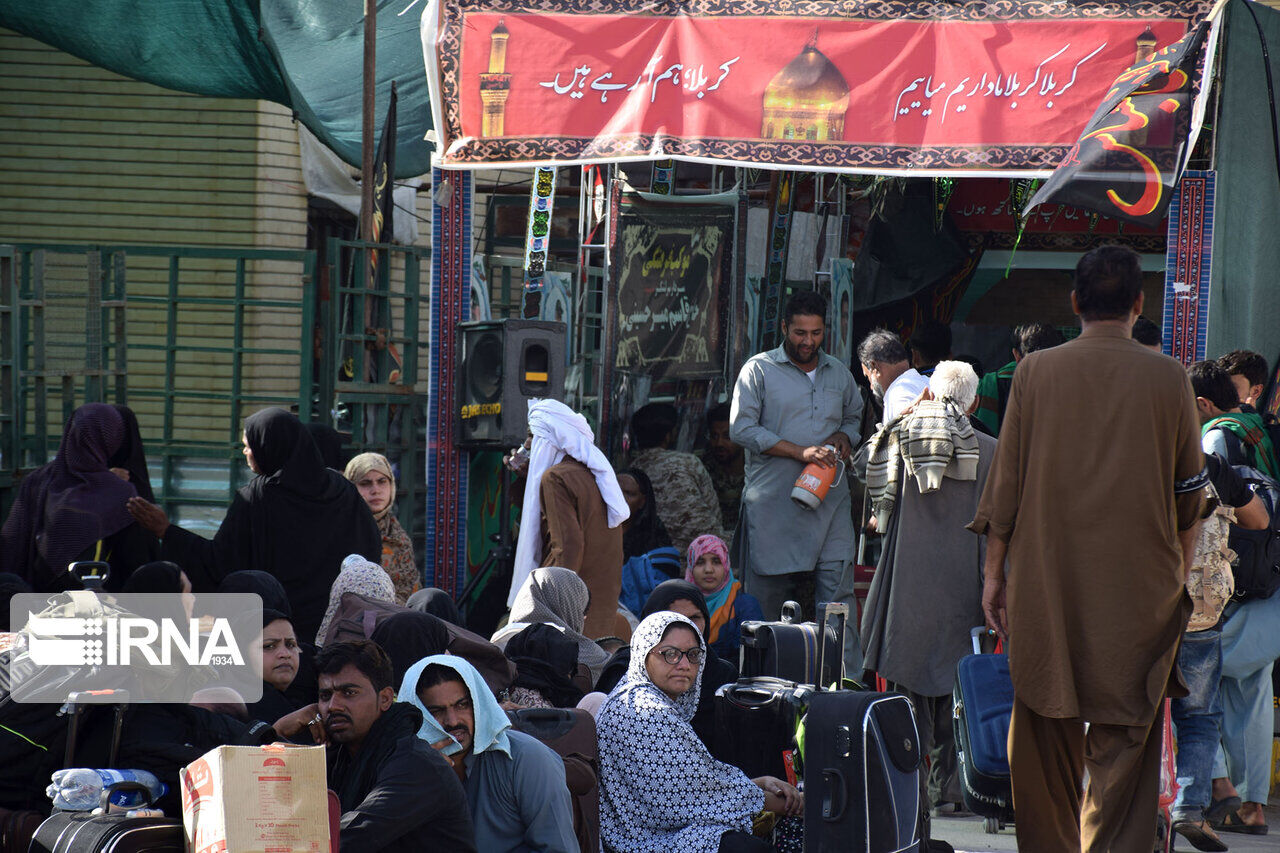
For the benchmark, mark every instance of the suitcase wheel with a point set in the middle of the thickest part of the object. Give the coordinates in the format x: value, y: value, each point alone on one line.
x: 991, y: 825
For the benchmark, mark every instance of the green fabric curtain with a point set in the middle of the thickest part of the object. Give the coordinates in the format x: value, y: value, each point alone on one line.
x: 1244, y: 296
x: 305, y: 54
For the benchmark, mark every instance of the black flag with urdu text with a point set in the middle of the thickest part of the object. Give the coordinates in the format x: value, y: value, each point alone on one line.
x: 1132, y: 152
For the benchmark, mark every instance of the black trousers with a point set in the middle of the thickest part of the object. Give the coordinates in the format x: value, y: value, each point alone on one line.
x: 742, y: 842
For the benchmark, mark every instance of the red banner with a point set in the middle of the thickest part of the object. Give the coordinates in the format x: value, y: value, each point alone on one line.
x: 889, y: 87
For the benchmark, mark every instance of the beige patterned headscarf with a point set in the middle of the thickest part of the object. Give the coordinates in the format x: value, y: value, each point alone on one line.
x: 363, y: 464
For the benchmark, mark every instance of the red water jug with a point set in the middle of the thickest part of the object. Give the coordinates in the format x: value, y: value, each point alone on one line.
x: 815, y: 481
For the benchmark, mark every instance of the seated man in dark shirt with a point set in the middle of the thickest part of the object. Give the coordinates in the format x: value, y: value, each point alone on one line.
x: 397, y: 793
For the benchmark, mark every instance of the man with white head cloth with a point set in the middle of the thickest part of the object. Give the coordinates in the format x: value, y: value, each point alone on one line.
x: 572, y: 512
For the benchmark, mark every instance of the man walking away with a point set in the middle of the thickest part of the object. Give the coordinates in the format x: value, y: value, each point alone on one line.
x: 572, y: 511
x: 788, y: 405
x: 1197, y: 717
x: 1095, y: 497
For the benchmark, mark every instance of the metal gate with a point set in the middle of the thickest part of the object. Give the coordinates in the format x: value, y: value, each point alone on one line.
x: 190, y: 338
x: 373, y: 359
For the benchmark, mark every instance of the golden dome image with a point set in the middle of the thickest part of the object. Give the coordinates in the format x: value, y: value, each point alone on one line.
x: 807, y: 99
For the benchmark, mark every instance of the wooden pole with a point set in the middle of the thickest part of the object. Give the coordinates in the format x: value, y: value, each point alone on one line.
x: 366, y: 140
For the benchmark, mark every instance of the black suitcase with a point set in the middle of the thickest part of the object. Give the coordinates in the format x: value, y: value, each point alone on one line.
x: 756, y: 720
x: 981, y: 710
x: 82, y: 832
x: 790, y: 649
x: 862, y: 774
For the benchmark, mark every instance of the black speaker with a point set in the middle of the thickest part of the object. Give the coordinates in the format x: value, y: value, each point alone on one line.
x: 501, y: 364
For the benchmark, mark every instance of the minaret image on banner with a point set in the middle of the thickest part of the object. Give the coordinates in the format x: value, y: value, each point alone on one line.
x: 495, y: 85
x: 807, y: 99
x: 1144, y: 46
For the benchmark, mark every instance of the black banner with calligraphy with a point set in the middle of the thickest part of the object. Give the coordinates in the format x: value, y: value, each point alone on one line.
x: 1134, y: 149
x: 668, y: 265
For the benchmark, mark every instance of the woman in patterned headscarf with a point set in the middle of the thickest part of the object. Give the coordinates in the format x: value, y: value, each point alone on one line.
x: 660, y: 789
x: 371, y: 472
x: 558, y: 597
x: 360, y: 576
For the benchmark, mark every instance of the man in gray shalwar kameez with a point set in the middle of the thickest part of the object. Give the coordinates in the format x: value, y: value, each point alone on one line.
x: 927, y: 594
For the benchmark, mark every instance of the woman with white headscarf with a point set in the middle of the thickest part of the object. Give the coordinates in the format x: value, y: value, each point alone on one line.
x: 660, y: 790
x: 557, y: 597
x: 572, y: 511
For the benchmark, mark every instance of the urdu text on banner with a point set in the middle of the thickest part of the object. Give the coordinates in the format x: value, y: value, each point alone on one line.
x: 892, y: 88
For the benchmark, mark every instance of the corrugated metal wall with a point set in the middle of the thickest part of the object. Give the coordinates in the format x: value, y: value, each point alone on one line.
x: 88, y: 156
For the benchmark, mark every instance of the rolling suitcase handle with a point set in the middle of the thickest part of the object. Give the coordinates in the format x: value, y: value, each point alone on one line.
x: 74, y: 706
x: 976, y: 634
x: 835, y: 796
x: 840, y: 611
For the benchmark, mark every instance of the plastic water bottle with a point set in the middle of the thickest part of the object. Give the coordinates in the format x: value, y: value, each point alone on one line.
x: 79, y: 789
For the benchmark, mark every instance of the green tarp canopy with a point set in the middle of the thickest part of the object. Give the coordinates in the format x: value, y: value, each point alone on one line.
x: 305, y: 54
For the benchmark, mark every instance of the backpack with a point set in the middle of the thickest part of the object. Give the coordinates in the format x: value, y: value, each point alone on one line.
x: 642, y: 573
x: 1257, y: 565
x: 1210, y: 583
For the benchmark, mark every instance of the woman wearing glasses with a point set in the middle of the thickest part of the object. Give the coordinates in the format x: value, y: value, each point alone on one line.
x: 660, y: 790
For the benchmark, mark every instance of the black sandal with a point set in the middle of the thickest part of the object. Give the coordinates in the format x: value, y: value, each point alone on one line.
x: 1219, y: 809
x: 1233, y: 823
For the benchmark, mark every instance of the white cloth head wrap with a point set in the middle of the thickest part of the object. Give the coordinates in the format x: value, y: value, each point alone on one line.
x: 558, y: 431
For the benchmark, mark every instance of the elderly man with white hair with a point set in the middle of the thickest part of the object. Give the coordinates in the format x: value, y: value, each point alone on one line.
x: 572, y: 511
x: 927, y: 591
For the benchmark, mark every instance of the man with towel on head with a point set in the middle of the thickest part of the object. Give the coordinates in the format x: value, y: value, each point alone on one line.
x: 572, y: 512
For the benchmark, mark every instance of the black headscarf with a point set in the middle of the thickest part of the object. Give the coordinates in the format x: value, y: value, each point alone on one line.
x: 438, y: 603
x: 65, y: 506
x: 329, y: 443
x: 668, y: 591
x: 132, y: 456
x: 716, y: 672
x: 645, y: 531
x: 545, y: 659
x: 160, y: 576
x: 297, y: 520
x: 267, y: 587
x: 409, y: 637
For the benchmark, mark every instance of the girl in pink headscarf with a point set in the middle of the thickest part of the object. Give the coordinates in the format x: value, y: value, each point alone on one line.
x: 708, y: 569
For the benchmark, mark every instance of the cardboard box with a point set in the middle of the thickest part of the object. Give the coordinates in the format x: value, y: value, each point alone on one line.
x: 256, y: 799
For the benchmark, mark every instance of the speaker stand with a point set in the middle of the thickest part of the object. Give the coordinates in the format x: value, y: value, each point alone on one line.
x: 484, y: 599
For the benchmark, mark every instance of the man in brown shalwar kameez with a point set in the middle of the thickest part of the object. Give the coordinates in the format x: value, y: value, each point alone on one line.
x: 1094, y: 497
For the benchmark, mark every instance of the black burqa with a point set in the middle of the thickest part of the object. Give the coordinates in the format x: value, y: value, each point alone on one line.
x: 718, y: 671
x: 297, y: 521
x: 275, y: 605
x: 65, y: 508
x: 329, y: 442
x: 131, y: 456
x: 645, y: 530
x: 545, y: 660
x: 409, y: 637
x: 438, y: 603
